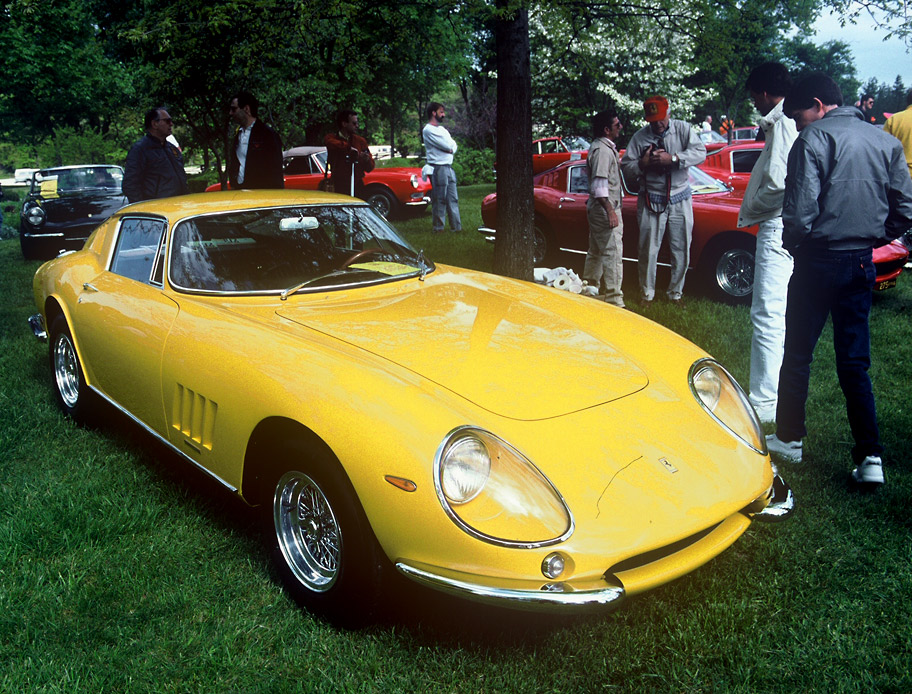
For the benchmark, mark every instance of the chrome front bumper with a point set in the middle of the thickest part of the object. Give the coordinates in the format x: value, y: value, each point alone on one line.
x: 551, y: 597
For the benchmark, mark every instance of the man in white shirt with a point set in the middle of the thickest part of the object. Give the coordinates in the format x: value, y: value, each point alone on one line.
x: 768, y: 85
x: 255, y: 157
x: 439, y: 148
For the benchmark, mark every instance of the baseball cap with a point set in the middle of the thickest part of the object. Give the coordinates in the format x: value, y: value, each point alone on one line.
x: 655, y: 108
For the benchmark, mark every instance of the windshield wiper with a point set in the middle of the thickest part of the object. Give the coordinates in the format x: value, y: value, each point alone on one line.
x: 335, y: 273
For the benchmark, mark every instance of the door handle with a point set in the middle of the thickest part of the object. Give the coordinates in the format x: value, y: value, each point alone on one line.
x: 89, y: 287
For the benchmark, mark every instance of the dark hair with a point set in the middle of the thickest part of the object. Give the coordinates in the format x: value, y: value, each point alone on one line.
x: 432, y: 108
x: 342, y: 116
x: 865, y: 97
x: 816, y: 85
x: 248, y: 99
x: 602, y: 120
x: 772, y: 78
x: 151, y: 115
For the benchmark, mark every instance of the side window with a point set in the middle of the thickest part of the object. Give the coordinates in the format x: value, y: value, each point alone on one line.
x: 138, y: 248
x: 743, y: 162
x: 579, y: 180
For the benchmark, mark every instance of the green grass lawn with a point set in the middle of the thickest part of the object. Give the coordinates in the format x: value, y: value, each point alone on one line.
x: 121, y: 571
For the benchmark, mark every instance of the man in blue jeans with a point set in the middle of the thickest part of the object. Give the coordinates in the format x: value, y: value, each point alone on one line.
x: 847, y: 190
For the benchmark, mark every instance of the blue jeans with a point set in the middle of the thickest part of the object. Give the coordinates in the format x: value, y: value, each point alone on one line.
x: 838, y: 284
x: 444, y: 198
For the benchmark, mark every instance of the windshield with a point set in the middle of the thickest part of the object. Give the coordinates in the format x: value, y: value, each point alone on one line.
x: 700, y: 182
x: 76, y: 180
x: 283, y: 250
x: 710, y: 136
x: 576, y: 144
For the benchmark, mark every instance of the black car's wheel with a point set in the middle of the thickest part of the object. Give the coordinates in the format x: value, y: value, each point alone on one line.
x: 382, y: 201
x: 731, y: 271
x: 70, y: 388
x: 321, y: 542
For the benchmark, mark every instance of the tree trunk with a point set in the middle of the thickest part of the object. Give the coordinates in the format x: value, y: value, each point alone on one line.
x: 515, y: 204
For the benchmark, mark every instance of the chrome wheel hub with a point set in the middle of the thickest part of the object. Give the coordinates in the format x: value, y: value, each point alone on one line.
x: 66, y: 371
x: 307, y: 531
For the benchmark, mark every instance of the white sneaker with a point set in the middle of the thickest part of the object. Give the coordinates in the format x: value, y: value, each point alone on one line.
x: 766, y: 415
x: 870, y: 471
x: 789, y: 451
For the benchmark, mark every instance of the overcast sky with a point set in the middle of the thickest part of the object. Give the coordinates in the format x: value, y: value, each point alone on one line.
x: 873, y: 57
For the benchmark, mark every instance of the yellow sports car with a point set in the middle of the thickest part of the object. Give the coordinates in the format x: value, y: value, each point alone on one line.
x: 491, y: 438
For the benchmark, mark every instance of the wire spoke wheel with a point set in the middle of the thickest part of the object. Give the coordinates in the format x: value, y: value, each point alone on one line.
x: 307, y: 531
x: 66, y: 370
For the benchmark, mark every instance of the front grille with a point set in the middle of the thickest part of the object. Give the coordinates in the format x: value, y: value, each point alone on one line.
x: 639, y: 560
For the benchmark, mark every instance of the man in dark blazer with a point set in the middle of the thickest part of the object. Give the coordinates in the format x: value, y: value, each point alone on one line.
x: 255, y: 156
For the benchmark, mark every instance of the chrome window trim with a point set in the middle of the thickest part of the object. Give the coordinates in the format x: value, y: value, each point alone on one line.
x: 275, y: 292
x: 116, y: 241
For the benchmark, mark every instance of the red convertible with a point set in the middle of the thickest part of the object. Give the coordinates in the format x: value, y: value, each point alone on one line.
x: 390, y: 190
x: 721, y: 253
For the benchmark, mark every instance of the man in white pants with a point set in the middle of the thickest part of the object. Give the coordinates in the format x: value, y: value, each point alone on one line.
x: 768, y: 85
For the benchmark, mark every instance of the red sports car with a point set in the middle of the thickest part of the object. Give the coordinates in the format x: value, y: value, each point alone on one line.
x: 721, y: 253
x: 733, y: 163
x: 389, y: 190
x: 548, y: 152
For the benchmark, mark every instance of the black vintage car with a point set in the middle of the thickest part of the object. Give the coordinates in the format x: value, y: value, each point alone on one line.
x: 65, y: 204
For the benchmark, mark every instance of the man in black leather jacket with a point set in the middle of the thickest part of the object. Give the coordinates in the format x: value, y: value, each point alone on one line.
x: 154, y: 167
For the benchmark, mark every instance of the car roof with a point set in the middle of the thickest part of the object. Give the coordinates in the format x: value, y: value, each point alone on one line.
x: 302, y: 151
x: 79, y: 166
x: 226, y: 201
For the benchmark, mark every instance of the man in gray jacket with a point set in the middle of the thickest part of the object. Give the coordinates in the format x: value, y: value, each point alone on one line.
x: 658, y: 157
x: 847, y: 190
x: 762, y: 205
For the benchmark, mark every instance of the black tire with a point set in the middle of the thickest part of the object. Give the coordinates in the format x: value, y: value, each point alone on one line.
x: 70, y: 388
x: 544, y: 251
x: 382, y: 201
x: 323, y: 547
x: 729, y: 271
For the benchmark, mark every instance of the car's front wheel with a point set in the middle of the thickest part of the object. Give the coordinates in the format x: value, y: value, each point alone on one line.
x: 321, y: 542
x: 730, y: 271
x: 70, y: 388
x: 382, y: 201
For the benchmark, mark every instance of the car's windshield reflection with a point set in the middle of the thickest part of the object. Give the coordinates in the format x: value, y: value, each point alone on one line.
x: 287, y: 249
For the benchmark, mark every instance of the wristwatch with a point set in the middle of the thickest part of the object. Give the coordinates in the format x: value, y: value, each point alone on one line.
x: 675, y: 160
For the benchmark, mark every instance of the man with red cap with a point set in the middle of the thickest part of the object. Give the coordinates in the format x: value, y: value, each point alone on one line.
x: 658, y: 157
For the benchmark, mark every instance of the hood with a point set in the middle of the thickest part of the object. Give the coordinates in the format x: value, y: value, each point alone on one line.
x: 489, y: 340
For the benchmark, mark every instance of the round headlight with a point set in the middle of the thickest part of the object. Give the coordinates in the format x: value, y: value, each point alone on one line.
x: 414, y: 180
x: 35, y: 215
x: 494, y: 493
x: 464, y: 470
x: 725, y: 401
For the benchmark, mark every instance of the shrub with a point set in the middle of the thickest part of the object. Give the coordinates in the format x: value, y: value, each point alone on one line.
x: 473, y: 166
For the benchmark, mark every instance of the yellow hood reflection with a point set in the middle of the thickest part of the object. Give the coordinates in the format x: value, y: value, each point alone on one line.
x: 497, y: 350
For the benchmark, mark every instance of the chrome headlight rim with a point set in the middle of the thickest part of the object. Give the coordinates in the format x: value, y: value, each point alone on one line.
x: 413, y: 179
x: 35, y: 215
x: 466, y: 430
x: 709, y: 362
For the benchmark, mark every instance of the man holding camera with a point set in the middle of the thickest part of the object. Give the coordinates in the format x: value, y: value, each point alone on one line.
x: 658, y: 158
x: 348, y: 155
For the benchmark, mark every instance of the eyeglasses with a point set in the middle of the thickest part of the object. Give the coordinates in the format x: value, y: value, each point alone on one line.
x: 166, y: 120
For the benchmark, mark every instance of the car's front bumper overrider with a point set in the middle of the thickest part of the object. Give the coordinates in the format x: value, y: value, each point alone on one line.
x: 36, y: 323
x: 781, y: 504
x: 423, y: 201
x: 555, y: 596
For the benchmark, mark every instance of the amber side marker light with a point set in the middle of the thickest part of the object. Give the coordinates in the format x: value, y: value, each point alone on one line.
x: 401, y: 483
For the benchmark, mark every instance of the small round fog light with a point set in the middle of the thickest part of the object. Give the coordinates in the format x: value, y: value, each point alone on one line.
x: 553, y: 565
